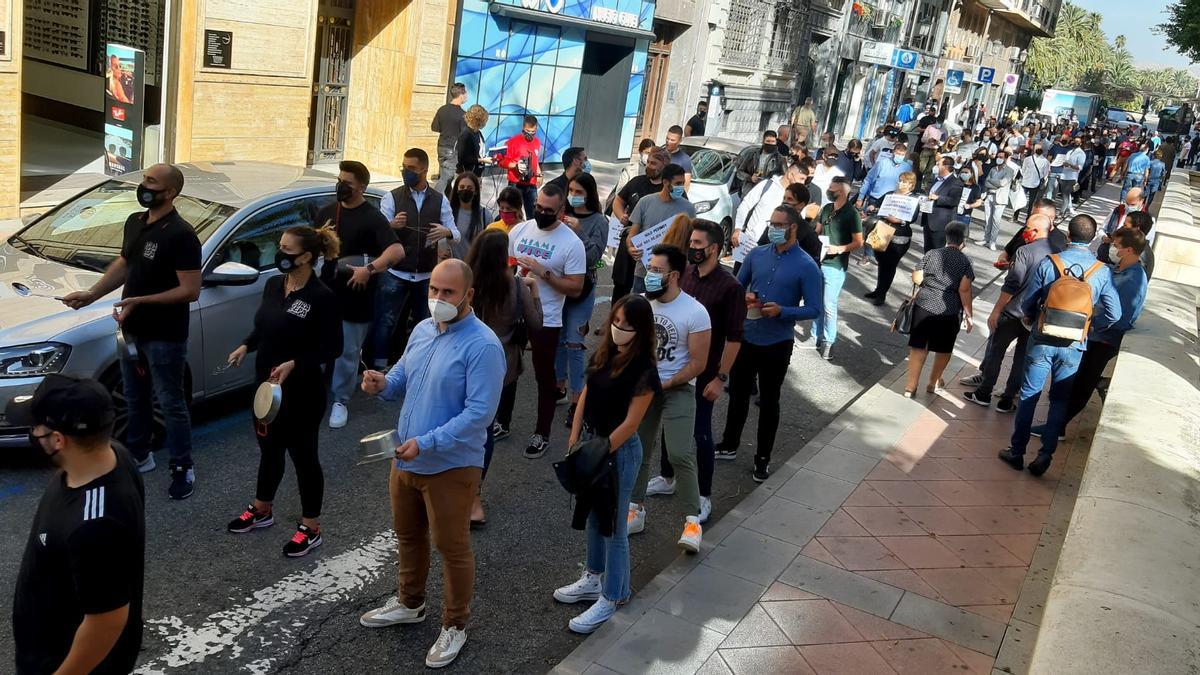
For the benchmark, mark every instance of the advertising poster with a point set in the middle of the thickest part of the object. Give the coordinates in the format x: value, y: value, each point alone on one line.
x: 124, y: 101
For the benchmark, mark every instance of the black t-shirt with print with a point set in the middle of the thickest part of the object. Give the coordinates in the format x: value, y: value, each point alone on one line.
x: 85, y: 555
x: 154, y: 253
x: 363, y: 231
x: 304, y: 326
x: 603, y: 411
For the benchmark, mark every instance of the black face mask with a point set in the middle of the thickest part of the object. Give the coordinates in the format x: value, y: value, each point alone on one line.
x: 286, y: 262
x: 148, y: 197
x: 466, y: 196
x: 545, y: 221
x: 697, y: 255
x: 701, y: 114
x: 344, y: 191
x: 768, y: 147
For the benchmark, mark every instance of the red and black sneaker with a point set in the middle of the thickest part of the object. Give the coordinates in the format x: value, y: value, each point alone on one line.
x: 305, y: 540
x: 251, y: 519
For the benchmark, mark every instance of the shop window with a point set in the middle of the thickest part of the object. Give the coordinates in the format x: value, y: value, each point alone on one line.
x: 471, y: 34
x: 467, y: 72
x: 540, y: 91
x: 545, y: 47
x: 558, y: 132
x: 491, y: 79
x: 495, y: 44
x: 570, y: 52
x: 566, y: 91
x: 515, y: 88
x: 520, y: 41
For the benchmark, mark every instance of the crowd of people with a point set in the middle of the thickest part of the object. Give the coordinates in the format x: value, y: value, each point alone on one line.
x: 432, y: 299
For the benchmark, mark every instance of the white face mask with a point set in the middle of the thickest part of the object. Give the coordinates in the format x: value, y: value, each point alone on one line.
x: 1113, y: 256
x: 442, y: 311
x: 620, y: 336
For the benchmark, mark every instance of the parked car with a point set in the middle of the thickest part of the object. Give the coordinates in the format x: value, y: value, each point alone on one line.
x: 238, y: 209
x: 1123, y: 120
x: 714, y: 170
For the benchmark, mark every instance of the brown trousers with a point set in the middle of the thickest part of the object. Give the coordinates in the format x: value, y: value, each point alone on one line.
x: 439, y: 504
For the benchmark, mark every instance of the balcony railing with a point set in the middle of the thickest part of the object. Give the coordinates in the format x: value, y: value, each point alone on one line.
x: 873, y: 23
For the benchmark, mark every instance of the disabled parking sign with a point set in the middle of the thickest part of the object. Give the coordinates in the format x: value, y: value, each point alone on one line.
x: 954, y: 81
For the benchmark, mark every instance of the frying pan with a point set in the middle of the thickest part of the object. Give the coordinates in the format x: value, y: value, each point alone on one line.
x: 27, y: 292
x: 267, y: 401
x: 378, y: 446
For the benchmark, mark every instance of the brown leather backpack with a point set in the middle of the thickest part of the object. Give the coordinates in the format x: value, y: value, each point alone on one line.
x: 1067, y: 309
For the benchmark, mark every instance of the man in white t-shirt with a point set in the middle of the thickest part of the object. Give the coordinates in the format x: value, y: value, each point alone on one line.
x: 1074, y: 162
x: 683, y: 332
x: 548, y: 250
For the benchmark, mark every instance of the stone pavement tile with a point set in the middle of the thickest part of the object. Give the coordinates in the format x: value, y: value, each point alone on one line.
x: 816, y: 551
x: 1008, y: 579
x: 759, y: 660
x: 816, y: 490
x: 922, y: 468
x: 981, y: 468
x: 715, y: 665
x: 959, y: 429
x: 867, y: 442
x: 846, y: 659
x: 884, y: 521
x: 757, y: 629
x: 949, y: 623
x: 980, y: 550
x: 839, y: 463
x: 812, y: 622
x: 948, y: 446
x: 781, y: 591
x: 1001, y: 613
x: 904, y: 493
x: 1002, y: 519
x: 921, y: 552
x: 929, y: 656
x: 842, y: 586
x: 787, y: 520
x: 860, y: 553
x: 872, y: 627
x: 1023, y: 546
x: 865, y: 495
x: 977, y: 664
x: 840, y: 524
x: 1017, y: 647
x: 965, y: 586
x: 711, y: 598
x: 992, y: 492
x: 752, y: 556
x: 939, y: 520
x: 905, y: 579
x: 660, y: 644
x: 886, y: 470
x: 597, y: 669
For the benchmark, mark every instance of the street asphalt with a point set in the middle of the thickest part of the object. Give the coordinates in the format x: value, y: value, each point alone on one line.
x: 222, y: 603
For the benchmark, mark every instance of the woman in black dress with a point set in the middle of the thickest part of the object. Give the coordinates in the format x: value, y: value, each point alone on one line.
x: 471, y: 149
x: 943, y: 278
x: 889, y: 258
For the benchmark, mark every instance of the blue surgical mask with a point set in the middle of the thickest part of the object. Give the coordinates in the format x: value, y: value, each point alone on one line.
x: 676, y: 192
x: 654, y: 282
x: 587, y: 166
x: 576, y: 201
x: 776, y: 235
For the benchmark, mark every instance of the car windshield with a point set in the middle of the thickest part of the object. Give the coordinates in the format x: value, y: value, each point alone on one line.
x: 710, y: 167
x: 88, y: 230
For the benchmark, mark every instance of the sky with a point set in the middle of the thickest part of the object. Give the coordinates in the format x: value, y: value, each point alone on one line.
x: 1134, y: 19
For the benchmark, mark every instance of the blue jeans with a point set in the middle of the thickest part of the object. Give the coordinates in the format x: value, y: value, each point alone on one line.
x: 395, y: 300
x: 528, y: 196
x: 610, y: 555
x: 1152, y: 188
x: 1130, y: 183
x: 158, y: 373
x: 825, y: 325
x: 1042, y: 361
x: 572, y: 340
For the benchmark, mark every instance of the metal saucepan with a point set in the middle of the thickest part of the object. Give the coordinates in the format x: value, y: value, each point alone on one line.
x: 267, y: 401
x: 126, y: 346
x: 27, y: 292
x: 378, y: 446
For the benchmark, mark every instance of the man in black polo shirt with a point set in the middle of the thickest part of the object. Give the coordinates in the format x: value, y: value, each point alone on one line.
x: 369, y: 248
x: 160, y: 268
x: 78, y: 600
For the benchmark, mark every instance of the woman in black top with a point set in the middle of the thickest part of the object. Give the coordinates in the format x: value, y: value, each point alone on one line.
x: 622, y: 380
x: 470, y: 149
x: 943, y: 280
x: 889, y: 258
x: 297, y: 328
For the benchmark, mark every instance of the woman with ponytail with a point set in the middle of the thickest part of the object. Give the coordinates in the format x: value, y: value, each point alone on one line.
x: 297, y: 328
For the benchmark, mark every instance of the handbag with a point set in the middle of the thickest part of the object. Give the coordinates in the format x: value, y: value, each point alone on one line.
x: 902, y: 324
x: 881, y: 235
x: 1017, y: 198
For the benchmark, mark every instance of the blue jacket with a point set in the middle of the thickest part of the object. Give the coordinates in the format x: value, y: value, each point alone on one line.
x: 451, y: 385
x: 883, y: 177
x: 1131, y: 284
x: 1077, y: 259
x: 785, y: 279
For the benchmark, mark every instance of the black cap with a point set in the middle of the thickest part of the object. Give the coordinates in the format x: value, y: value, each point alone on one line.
x: 68, y: 405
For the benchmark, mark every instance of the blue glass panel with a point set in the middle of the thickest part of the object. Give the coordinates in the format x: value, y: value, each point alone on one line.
x: 467, y: 72
x: 520, y: 41
x: 639, y: 57
x: 566, y: 91
x: 634, y: 97
x: 580, y: 8
x: 470, y: 34
x: 516, y: 88
x: 625, y: 148
x: 646, y: 22
x: 491, y: 79
x: 557, y: 138
x: 541, y: 86
x: 507, y: 127
x: 496, y: 40
x: 570, y: 53
x: 545, y: 48
x: 480, y: 6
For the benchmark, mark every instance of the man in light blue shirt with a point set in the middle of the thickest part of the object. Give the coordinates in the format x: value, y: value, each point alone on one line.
x: 1136, y: 169
x: 883, y: 177
x: 450, y: 377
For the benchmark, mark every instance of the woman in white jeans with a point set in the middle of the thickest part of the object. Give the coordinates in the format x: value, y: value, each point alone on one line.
x: 996, y: 187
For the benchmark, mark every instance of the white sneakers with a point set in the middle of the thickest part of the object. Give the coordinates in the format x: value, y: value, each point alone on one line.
x: 443, y: 652
x: 587, y: 588
x: 338, y: 416
x: 636, y: 519
x: 692, y: 532
x: 660, y: 486
x: 595, y: 616
x: 705, y: 509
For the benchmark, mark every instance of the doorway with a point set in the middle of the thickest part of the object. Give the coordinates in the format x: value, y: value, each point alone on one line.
x: 603, y: 86
x: 331, y: 80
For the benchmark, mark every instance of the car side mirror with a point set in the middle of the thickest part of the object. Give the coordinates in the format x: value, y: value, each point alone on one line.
x: 231, y: 274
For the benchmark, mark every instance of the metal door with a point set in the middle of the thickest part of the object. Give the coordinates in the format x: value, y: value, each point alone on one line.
x: 331, y: 80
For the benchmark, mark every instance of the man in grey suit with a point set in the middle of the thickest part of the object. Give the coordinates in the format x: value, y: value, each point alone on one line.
x: 945, y: 193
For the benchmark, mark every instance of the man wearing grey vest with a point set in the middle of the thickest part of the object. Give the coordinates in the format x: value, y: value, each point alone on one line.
x: 421, y: 217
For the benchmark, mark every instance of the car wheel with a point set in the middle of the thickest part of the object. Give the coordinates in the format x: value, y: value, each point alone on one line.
x: 112, y: 381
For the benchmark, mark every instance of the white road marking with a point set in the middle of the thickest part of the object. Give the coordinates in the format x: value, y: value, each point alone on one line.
x: 333, y: 580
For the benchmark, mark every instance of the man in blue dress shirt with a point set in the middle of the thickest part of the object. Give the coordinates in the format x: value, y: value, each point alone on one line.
x: 450, y: 377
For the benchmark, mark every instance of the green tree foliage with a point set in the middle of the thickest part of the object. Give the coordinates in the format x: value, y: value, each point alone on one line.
x: 1182, y: 29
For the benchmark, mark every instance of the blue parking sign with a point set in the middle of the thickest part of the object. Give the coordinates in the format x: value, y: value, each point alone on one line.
x: 986, y: 75
x: 905, y: 59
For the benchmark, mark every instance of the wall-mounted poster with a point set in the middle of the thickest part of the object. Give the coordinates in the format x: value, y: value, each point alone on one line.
x: 124, y: 98
x: 118, y: 150
x: 57, y: 31
x: 137, y: 23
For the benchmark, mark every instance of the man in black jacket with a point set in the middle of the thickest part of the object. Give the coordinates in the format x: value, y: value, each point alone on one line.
x: 946, y: 194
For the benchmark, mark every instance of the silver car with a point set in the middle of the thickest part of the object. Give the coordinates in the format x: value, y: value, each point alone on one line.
x: 238, y: 209
x: 714, y: 172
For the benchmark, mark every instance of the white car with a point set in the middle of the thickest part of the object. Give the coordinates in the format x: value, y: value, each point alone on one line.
x: 714, y: 167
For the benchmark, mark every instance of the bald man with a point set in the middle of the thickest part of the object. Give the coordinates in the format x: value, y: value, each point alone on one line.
x: 158, y: 271
x: 450, y: 378
x: 1131, y: 203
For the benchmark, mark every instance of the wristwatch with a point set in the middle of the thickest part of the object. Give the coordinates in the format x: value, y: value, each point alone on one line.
x: 723, y: 377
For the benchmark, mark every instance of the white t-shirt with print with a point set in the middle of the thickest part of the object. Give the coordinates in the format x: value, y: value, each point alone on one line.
x: 558, y: 250
x: 673, y: 322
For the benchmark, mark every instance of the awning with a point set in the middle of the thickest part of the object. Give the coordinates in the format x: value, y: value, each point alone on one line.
x: 515, y: 12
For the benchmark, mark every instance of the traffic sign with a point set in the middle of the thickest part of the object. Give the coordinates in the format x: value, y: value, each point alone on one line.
x: 954, y: 81
x: 905, y: 59
x: 1010, y: 83
x: 986, y: 75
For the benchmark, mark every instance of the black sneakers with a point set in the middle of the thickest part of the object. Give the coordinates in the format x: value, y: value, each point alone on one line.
x: 761, y: 473
x: 1005, y: 405
x: 251, y: 519
x: 1038, y: 466
x: 978, y: 399
x: 182, y: 478
x: 1015, y: 461
x: 725, y: 451
x: 302, y: 542
x: 537, y: 446
x: 500, y: 431
x: 561, y: 397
